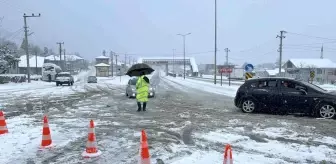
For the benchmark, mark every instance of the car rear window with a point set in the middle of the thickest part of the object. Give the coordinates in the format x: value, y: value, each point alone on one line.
x: 263, y: 83
x: 133, y: 81
x: 63, y: 75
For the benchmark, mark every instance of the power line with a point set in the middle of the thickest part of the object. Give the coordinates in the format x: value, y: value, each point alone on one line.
x: 244, y: 58
x: 10, y: 36
x: 255, y: 47
x: 319, y: 43
x: 310, y: 36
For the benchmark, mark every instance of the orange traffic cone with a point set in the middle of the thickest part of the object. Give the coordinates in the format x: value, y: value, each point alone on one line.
x: 144, y: 151
x: 91, y: 144
x: 228, y: 155
x: 3, y: 125
x: 46, y: 137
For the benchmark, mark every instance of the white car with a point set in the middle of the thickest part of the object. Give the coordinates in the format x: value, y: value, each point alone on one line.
x: 64, y: 78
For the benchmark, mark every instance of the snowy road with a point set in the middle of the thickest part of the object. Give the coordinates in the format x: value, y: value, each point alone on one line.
x: 184, y: 126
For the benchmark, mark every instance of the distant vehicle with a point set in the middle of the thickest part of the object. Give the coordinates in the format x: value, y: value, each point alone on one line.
x: 285, y: 95
x: 131, y: 90
x: 49, y: 71
x: 92, y: 79
x: 64, y: 78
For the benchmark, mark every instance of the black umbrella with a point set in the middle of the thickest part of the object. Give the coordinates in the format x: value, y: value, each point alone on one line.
x: 138, y: 69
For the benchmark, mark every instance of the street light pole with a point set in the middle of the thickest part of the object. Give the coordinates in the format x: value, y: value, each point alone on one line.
x: 174, y: 61
x: 215, y: 62
x: 184, y: 63
x: 26, y: 41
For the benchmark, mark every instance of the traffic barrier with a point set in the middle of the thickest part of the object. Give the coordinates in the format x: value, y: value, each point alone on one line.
x: 228, y: 155
x: 144, y: 151
x: 46, y: 136
x: 91, y: 144
x: 3, y: 125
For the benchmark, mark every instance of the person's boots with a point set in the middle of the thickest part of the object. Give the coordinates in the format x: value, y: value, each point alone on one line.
x: 144, y: 106
x: 139, y: 106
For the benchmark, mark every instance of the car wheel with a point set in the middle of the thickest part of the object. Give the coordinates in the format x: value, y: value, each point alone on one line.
x: 69, y: 84
x: 57, y: 84
x: 326, y: 111
x: 248, y: 106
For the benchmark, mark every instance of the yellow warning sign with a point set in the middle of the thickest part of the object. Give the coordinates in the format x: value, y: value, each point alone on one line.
x: 312, y: 74
x: 248, y: 75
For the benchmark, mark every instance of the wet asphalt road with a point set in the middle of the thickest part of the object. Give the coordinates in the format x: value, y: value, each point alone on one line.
x: 172, y: 119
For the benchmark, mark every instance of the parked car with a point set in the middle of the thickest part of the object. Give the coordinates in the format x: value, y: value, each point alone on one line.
x: 64, y: 78
x: 285, y: 95
x: 131, y: 90
x: 92, y: 79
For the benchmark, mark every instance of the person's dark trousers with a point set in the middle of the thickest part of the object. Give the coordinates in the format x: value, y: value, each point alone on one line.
x: 144, y: 106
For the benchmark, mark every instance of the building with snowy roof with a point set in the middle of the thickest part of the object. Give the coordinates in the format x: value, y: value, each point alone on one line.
x: 268, y: 72
x: 176, y: 61
x: 102, y: 66
x: 73, y: 62
x: 324, y: 69
x: 35, y: 64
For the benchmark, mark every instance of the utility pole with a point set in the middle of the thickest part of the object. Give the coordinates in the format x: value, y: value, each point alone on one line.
x: 174, y: 61
x: 321, y: 52
x: 111, y: 56
x: 215, y: 63
x: 60, y: 52
x: 125, y: 60
x: 65, y: 65
x: 116, y: 60
x: 36, y: 62
x: 280, y: 48
x: 184, y: 51
x: 227, y: 56
x: 26, y: 40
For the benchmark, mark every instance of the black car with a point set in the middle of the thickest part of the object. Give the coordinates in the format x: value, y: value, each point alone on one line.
x: 285, y: 95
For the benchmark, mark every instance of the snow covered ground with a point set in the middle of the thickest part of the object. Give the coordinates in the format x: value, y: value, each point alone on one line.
x: 205, y: 86
x: 183, y: 125
x: 212, y: 76
x: 225, y: 89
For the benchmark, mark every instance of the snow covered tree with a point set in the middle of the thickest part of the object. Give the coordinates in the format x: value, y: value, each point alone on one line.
x: 8, y: 54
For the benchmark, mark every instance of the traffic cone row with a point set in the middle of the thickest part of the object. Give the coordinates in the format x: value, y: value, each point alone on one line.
x: 46, y: 136
x: 144, y: 150
x: 3, y: 125
x: 91, y: 144
x: 228, y: 155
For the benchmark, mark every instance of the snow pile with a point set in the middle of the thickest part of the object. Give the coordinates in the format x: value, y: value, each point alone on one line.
x: 247, y: 150
x: 205, y: 86
x: 212, y: 76
x: 328, y: 87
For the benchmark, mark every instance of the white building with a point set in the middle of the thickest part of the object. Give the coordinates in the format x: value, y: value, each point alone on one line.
x: 268, y: 72
x: 35, y: 64
x: 325, y: 69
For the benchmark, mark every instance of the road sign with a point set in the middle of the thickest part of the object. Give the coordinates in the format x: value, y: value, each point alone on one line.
x: 312, y: 74
x: 225, y: 70
x: 249, y: 67
x: 248, y: 75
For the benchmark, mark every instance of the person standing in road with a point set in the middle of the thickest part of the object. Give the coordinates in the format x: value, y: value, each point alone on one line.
x: 142, y: 87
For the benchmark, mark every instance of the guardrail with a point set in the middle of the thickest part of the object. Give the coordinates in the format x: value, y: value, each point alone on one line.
x: 226, y: 81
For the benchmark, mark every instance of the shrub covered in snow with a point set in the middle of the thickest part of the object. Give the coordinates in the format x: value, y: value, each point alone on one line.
x: 15, y: 78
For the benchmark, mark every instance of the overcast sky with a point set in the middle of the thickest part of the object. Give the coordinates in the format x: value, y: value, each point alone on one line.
x: 149, y: 27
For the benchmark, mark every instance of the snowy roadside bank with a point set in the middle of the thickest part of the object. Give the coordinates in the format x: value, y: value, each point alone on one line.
x: 205, y: 86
